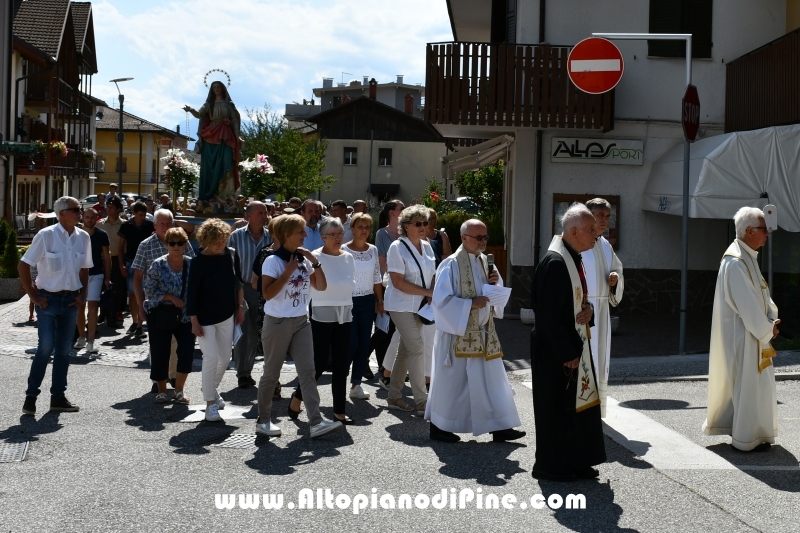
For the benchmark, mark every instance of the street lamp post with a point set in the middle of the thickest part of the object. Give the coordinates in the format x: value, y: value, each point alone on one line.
x: 121, y: 134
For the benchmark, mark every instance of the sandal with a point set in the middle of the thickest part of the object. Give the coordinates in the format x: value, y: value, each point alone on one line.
x: 399, y: 404
x: 292, y: 413
x: 277, y: 394
x: 180, y: 397
x: 161, y: 397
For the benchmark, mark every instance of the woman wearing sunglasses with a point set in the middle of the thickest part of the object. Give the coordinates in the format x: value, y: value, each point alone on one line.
x: 165, y: 285
x: 411, y: 265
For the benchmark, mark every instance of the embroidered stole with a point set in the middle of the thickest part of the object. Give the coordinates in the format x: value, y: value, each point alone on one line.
x: 476, y: 341
x: 765, y: 353
x: 587, y: 394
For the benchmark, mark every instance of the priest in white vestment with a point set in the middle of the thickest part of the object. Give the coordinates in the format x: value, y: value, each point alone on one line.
x: 605, y: 284
x: 470, y: 392
x: 741, y: 381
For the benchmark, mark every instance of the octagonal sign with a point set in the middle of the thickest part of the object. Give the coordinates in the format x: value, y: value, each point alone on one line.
x: 690, y: 108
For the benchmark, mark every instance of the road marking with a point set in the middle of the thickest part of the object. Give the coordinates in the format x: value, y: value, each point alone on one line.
x: 662, y: 447
x: 595, y: 65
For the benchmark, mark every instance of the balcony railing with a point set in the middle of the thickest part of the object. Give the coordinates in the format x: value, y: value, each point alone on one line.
x: 480, y: 84
x: 762, y: 88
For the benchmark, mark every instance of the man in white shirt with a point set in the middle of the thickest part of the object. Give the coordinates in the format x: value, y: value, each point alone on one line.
x: 62, y: 254
x: 339, y: 210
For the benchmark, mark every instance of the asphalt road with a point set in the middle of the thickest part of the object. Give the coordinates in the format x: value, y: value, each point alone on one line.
x: 126, y: 464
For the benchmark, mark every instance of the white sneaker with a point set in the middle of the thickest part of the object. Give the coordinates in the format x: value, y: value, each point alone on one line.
x: 357, y: 393
x: 269, y: 429
x: 326, y: 426
x: 90, y: 347
x: 80, y: 343
x: 220, y: 402
x: 212, y: 413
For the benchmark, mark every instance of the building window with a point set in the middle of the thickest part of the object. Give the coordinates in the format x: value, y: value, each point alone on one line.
x: 384, y: 157
x: 350, y: 156
x: 124, y: 165
x: 504, y: 21
x: 681, y: 16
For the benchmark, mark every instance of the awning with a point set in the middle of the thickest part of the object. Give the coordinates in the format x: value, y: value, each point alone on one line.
x: 475, y: 157
x: 384, y: 189
x: 726, y: 172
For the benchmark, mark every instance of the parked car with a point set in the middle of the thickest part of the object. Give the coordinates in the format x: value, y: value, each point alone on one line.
x: 467, y: 204
x: 89, y: 201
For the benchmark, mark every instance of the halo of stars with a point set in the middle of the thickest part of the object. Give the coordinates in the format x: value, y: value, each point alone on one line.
x: 205, y: 78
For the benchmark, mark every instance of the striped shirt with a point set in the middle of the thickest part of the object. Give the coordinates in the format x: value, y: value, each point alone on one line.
x: 242, y: 241
x: 151, y: 249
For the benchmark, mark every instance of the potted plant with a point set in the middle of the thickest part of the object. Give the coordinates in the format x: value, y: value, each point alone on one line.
x: 10, y: 285
x: 255, y: 176
x: 182, y: 173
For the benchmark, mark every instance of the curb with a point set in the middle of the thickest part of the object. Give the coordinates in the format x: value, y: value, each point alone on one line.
x: 779, y: 376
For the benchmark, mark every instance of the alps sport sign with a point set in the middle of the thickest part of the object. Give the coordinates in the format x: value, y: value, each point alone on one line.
x: 595, y: 65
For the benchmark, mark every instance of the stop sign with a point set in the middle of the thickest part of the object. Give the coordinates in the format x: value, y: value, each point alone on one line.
x: 690, y: 106
x: 595, y: 65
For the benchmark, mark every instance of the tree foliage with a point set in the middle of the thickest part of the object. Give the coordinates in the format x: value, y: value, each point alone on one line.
x: 484, y: 186
x: 298, y: 160
x: 9, y: 261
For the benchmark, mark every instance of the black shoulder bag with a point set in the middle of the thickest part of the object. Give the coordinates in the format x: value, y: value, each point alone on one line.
x: 422, y: 319
x: 166, y: 316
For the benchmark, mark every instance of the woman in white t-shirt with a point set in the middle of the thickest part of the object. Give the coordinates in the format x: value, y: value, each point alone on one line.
x: 367, y: 299
x: 286, y: 278
x: 331, y: 315
x: 412, y: 266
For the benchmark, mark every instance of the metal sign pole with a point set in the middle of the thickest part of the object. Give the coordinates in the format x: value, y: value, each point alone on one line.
x: 687, y: 37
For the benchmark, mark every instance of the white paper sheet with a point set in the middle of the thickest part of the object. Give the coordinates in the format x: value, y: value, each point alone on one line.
x: 498, y: 296
x: 426, y: 312
x: 382, y: 322
x: 237, y: 333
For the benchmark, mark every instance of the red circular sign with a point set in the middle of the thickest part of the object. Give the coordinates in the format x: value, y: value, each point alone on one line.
x: 690, y: 112
x: 595, y: 65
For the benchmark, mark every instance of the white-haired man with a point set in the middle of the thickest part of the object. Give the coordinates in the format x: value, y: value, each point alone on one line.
x: 62, y: 254
x: 605, y: 284
x: 741, y: 381
x: 566, y: 402
x: 470, y: 392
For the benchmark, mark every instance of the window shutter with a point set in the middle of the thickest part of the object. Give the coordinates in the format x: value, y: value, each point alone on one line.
x: 665, y: 17
x: 499, y: 27
x: 511, y: 22
x: 697, y: 15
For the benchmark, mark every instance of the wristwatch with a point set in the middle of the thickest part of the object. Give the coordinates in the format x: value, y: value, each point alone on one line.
x: 316, y: 265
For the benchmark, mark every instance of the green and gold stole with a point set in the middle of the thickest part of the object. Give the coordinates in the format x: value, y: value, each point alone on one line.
x: 587, y: 395
x: 471, y: 344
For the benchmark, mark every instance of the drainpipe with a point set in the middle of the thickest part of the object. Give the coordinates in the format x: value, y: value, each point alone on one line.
x: 537, y: 195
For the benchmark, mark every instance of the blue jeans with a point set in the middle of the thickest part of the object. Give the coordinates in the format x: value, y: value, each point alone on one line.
x: 363, y: 316
x: 56, y: 328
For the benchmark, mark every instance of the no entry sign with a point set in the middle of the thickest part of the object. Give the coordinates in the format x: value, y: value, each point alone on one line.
x: 595, y: 65
x: 690, y: 106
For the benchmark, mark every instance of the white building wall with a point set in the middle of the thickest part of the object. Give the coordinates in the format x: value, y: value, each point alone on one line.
x: 413, y: 165
x: 651, y: 88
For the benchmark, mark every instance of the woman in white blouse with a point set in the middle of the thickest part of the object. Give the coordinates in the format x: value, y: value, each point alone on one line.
x: 411, y: 265
x: 367, y: 298
x: 331, y: 314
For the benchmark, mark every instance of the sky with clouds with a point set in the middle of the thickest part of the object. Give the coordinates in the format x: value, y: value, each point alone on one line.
x: 275, y: 51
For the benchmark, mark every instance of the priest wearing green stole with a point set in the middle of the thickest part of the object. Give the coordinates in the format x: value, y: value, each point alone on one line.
x: 470, y: 392
x: 566, y: 401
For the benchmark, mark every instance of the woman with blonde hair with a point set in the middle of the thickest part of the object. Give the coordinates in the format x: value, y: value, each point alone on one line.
x: 286, y: 278
x: 215, y: 303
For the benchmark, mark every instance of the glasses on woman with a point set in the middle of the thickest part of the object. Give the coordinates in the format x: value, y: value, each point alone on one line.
x: 420, y: 224
x: 176, y: 243
x: 335, y: 235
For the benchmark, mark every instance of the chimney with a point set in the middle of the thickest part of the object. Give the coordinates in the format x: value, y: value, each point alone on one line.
x: 409, y: 104
x: 178, y: 129
x: 373, y: 89
x: 327, y: 83
x: 399, y: 79
x: 366, y: 80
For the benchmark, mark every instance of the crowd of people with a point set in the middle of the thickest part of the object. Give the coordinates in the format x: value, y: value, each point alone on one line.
x: 299, y: 279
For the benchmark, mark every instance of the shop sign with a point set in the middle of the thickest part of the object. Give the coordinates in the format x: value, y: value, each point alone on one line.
x: 597, y: 151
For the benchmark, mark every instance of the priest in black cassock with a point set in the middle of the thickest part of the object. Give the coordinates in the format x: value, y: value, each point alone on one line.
x: 566, y: 402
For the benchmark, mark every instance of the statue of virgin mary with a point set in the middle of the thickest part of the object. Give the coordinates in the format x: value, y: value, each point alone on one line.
x: 219, y: 144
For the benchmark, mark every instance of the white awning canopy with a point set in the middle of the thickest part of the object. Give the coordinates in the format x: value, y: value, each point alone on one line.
x: 475, y: 157
x: 726, y: 172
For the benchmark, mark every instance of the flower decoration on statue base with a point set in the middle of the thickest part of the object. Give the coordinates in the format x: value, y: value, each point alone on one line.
x: 255, y: 176
x: 182, y: 172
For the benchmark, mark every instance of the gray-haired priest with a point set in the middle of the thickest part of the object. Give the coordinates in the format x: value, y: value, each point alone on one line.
x: 470, y: 392
x: 605, y: 283
x: 741, y: 381
x: 566, y: 401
